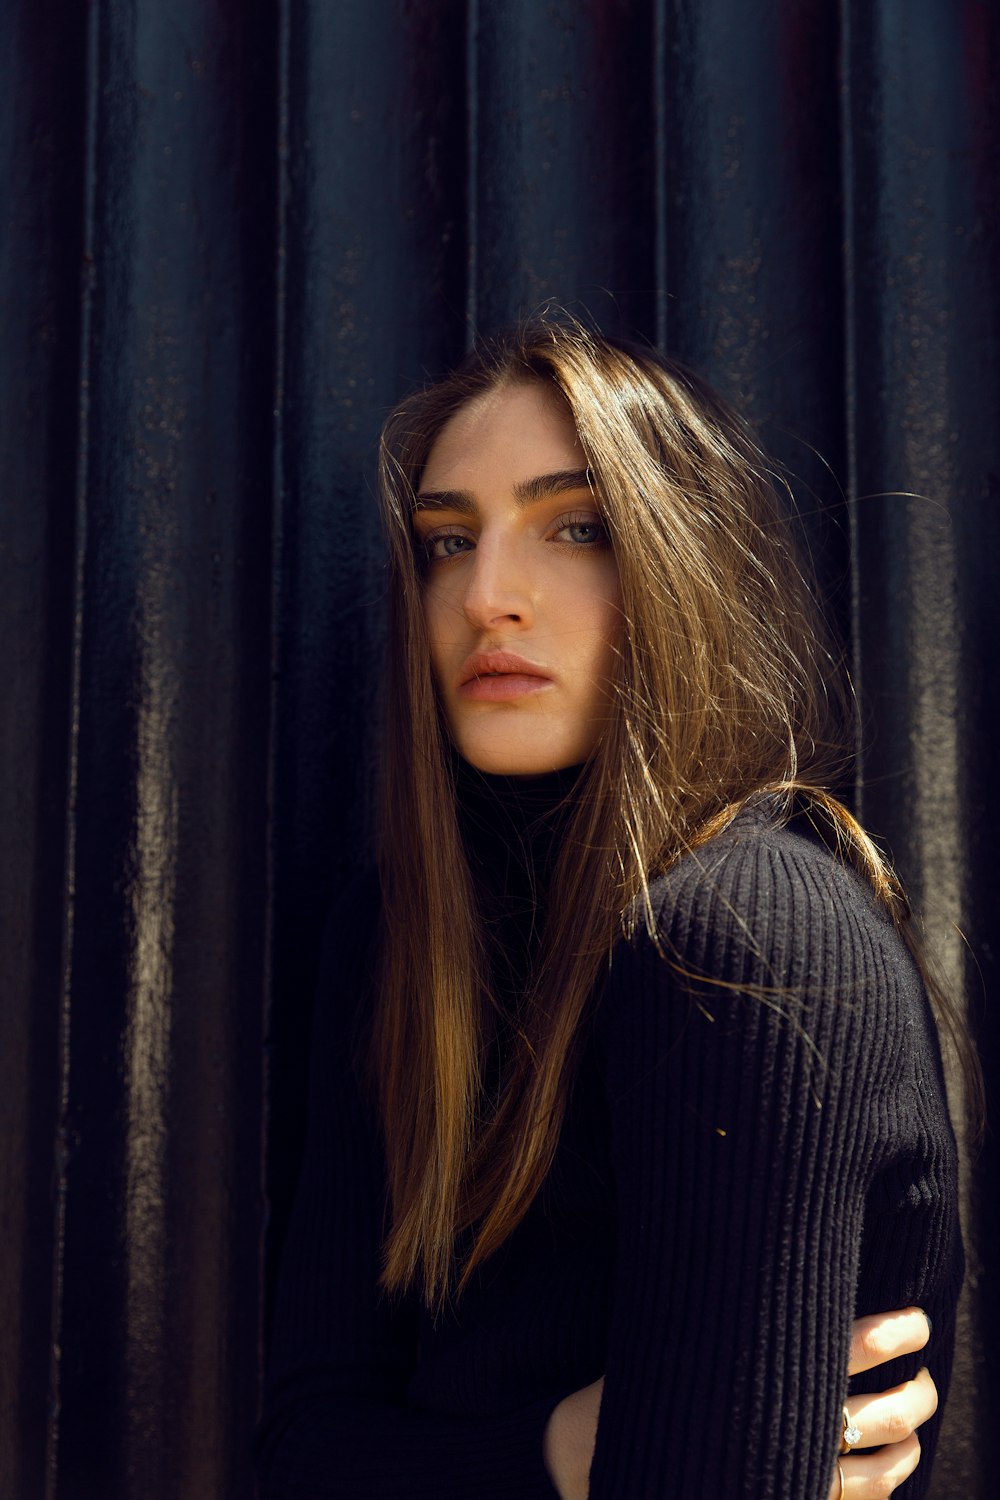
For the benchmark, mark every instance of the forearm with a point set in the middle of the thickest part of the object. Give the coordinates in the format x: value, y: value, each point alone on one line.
x: 570, y: 1435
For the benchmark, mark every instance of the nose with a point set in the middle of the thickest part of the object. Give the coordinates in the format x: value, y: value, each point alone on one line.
x: 497, y: 588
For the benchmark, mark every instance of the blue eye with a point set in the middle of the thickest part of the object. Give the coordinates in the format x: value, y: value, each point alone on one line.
x: 448, y: 544
x: 583, y: 533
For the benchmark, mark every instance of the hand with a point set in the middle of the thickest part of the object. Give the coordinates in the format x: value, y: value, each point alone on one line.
x: 890, y: 1417
x: 568, y: 1444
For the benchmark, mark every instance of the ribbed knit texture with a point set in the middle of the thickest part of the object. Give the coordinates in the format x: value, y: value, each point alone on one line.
x: 753, y: 1154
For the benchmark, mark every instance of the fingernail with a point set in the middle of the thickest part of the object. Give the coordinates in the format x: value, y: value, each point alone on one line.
x: 930, y: 1325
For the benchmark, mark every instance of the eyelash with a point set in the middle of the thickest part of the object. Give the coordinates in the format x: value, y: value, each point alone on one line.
x: 427, y: 544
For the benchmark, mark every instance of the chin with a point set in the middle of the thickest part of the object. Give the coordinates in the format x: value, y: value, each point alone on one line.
x: 525, y: 755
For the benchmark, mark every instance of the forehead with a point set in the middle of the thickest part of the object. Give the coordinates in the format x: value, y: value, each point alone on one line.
x: 508, y: 434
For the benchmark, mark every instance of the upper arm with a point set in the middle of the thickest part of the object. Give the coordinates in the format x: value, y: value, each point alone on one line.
x: 741, y: 1105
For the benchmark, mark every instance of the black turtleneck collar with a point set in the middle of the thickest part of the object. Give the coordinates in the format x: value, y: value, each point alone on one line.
x: 512, y: 827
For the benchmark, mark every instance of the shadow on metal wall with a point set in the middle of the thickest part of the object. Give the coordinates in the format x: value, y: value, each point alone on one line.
x: 232, y: 238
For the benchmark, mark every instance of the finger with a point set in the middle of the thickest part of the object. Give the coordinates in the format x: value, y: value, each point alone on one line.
x: 884, y: 1336
x: 890, y: 1416
x: 873, y: 1476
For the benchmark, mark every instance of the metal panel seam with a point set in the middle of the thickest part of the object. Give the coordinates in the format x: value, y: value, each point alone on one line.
x: 281, y: 200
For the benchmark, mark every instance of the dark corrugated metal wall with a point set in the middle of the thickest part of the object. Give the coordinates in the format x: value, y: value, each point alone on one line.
x: 233, y: 235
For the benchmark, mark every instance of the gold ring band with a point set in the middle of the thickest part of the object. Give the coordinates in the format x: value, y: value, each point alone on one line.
x: 840, y: 1476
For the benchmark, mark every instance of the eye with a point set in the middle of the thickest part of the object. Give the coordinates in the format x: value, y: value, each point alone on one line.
x: 585, y: 531
x: 444, y: 544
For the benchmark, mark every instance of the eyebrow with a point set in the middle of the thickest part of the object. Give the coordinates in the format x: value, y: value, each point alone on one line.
x: 526, y: 491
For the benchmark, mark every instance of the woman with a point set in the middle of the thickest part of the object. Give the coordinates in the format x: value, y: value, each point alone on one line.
x: 627, y: 1095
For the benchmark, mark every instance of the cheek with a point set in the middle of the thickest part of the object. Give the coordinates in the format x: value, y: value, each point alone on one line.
x: 607, y: 655
x: 606, y: 629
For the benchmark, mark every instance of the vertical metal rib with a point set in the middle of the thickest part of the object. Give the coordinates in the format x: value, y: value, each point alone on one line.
x: 148, y: 1072
x: 851, y: 387
x: 658, y: 83
x: 63, y: 1145
x: 472, y: 171
x: 282, y: 86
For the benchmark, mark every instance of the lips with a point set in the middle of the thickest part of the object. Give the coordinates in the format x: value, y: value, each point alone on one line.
x: 498, y: 676
x: 499, y: 664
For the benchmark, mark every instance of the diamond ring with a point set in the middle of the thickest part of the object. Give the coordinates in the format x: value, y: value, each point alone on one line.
x: 851, y: 1436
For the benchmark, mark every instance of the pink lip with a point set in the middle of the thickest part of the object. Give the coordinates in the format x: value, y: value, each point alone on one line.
x: 495, y: 675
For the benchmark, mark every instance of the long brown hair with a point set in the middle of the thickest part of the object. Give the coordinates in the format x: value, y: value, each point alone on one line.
x: 722, y: 692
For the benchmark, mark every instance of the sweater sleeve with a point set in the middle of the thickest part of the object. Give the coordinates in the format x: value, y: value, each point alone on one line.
x: 335, y: 1423
x: 745, y: 1116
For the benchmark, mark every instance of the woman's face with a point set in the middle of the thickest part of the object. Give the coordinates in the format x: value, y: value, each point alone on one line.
x: 521, y: 595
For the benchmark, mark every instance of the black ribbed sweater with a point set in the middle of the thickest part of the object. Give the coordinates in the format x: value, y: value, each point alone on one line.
x: 744, y: 1167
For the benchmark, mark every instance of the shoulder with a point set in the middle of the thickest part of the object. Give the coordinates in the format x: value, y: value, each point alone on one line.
x: 769, y: 970
x: 765, y: 927
x: 770, y: 902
